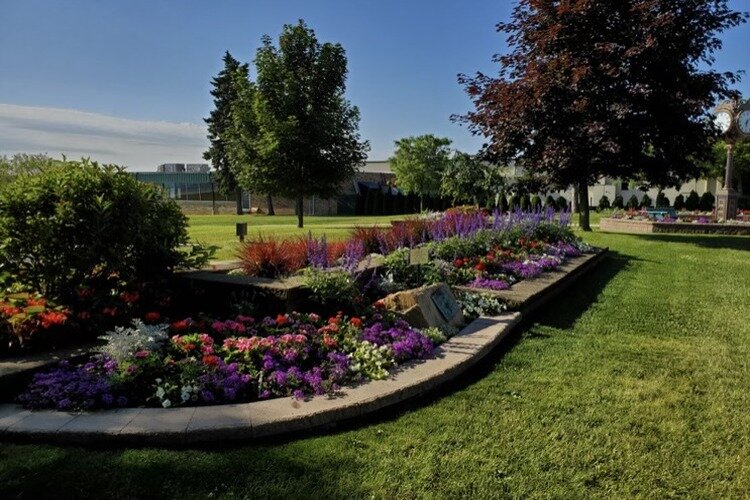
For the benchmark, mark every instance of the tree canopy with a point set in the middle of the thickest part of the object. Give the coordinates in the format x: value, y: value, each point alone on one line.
x: 419, y: 163
x: 604, y: 88
x: 466, y: 176
x: 295, y: 133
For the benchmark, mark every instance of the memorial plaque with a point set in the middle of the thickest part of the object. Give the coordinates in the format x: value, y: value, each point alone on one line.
x: 446, y: 305
x: 419, y: 256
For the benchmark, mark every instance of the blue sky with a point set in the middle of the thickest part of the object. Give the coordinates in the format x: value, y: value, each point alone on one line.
x: 128, y: 81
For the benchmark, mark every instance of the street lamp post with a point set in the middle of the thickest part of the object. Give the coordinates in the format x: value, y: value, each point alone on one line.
x: 733, y: 120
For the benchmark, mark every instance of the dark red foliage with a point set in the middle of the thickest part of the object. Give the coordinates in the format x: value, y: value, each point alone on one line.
x: 270, y: 258
x: 604, y: 88
x: 370, y: 236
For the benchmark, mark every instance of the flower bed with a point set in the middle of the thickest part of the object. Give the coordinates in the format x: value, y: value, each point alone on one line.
x: 197, y: 362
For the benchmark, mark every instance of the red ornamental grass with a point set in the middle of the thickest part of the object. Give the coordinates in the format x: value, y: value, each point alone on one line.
x: 335, y: 251
x: 370, y: 236
x: 271, y: 258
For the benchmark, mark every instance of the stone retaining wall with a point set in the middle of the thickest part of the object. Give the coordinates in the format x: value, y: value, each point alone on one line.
x: 650, y: 227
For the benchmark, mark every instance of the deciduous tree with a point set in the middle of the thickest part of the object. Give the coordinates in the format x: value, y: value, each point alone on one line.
x: 419, y: 163
x: 616, y: 88
x: 307, y: 140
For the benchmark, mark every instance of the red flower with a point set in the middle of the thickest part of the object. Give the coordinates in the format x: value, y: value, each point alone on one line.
x: 458, y: 262
x: 281, y: 319
x: 333, y: 320
x: 130, y: 297
x: 152, y: 317
x: 356, y: 322
x: 110, y: 311
x: 210, y: 360
x: 180, y: 325
x: 480, y: 267
x: 52, y: 318
x: 379, y: 304
x: 189, y: 347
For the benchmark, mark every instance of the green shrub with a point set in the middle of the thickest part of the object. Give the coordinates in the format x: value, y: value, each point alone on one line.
x: 79, y: 225
x: 330, y: 287
x: 646, y: 201
x: 693, y: 201
x: 618, y: 202
x: 562, y: 203
x: 525, y: 202
x: 536, y: 202
x: 504, y: 205
x: 706, y: 202
x: 604, y: 203
x: 633, y: 202
x: 662, y: 200
x: 679, y: 202
x: 550, y: 202
x: 515, y: 202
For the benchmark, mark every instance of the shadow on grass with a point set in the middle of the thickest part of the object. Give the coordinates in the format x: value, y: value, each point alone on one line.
x: 702, y: 240
x: 263, y: 471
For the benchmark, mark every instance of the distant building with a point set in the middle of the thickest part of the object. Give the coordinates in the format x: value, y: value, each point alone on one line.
x: 202, y: 168
x: 171, y: 168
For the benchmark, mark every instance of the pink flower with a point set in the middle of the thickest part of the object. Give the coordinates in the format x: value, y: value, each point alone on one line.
x: 218, y: 326
x: 143, y: 353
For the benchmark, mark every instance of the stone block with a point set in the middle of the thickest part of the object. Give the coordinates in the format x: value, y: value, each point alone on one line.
x: 432, y: 305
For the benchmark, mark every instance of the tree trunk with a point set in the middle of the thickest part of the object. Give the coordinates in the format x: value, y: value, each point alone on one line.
x: 583, y: 214
x: 300, y: 212
x: 238, y: 198
x: 269, y: 202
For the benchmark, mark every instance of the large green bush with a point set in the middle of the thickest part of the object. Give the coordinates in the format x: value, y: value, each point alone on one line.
x: 618, y: 202
x: 80, y: 226
x: 679, y: 202
x: 706, y: 202
x: 693, y: 201
x: 603, y: 203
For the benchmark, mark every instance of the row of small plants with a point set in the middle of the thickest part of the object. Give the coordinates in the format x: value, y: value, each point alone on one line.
x: 203, y: 361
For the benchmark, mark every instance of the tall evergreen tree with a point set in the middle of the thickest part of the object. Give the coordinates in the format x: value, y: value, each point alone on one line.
x: 593, y: 88
x: 219, y: 123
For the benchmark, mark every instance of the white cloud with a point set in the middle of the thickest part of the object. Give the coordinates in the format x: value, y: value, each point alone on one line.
x: 136, y: 144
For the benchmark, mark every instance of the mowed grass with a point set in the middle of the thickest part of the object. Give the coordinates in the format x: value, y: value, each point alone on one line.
x: 219, y: 230
x: 632, y: 384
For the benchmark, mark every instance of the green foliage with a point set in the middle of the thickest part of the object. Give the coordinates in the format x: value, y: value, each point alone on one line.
x: 633, y: 202
x: 298, y: 131
x: 706, y: 202
x: 693, y: 201
x: 465, y: 176
x: 646, y: 201
x: 618, y: 202
x: 679, y: 202
x: 515, y: 201
x: 80, y: 224
x: 550, y: 201
x: 536, y: 202
x: 330, y: 287
x: 525, y: 202
x: 419, y: 163
x: 220, y: 121
x: 603, y: 203
x: 715, y: 167
x: 23, y: 164
x: 662, y: 200
x: 562, y: 203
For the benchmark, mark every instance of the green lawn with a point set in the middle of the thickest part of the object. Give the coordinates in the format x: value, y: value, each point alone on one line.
x: 635, y: 384
x: 219, y: 230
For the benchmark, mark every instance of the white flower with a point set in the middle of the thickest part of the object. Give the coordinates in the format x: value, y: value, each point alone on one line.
x: 166, y: 403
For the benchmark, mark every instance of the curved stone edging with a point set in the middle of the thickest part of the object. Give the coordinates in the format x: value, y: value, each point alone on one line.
x: 259, y: 419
